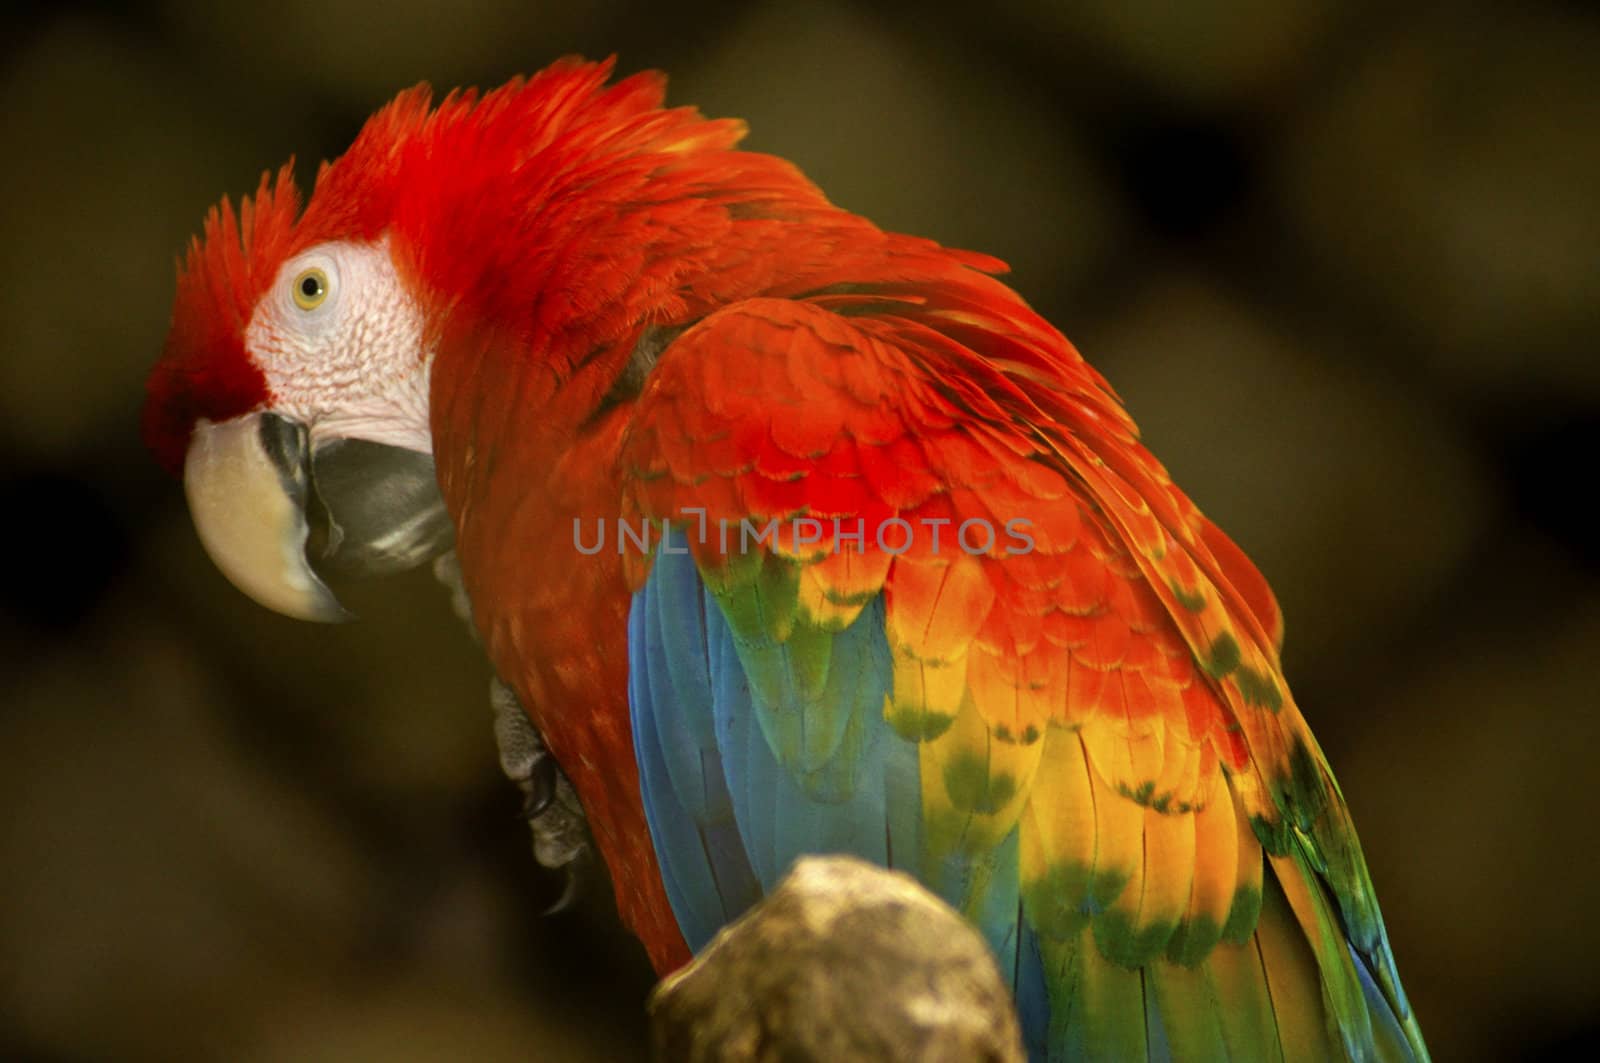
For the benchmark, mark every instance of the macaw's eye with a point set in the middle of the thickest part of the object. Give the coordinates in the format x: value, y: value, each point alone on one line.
x: 310, y: 288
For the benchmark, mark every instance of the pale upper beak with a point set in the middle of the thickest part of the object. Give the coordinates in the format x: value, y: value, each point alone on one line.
x: 252, y: 481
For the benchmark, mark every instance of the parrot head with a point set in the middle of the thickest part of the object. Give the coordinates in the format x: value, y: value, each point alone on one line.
x: 292, y: 396
x: 293, y: 391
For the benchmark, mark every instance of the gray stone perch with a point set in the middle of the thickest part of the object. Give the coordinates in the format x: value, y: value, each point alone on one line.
x: 844, y: 962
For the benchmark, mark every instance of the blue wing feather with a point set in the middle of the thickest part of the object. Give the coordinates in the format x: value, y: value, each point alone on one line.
x: 778, y: 817
x: 726, y: 815
x: 688, y: 807
x: 1033, y: 995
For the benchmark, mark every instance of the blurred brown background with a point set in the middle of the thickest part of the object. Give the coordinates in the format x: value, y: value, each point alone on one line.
x: 1341, y: 261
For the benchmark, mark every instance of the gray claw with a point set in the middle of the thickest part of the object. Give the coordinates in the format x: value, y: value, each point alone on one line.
x: 570, y: 888
x: 541, y: 788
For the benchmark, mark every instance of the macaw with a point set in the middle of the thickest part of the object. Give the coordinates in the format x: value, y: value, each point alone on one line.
x: 792, y: 535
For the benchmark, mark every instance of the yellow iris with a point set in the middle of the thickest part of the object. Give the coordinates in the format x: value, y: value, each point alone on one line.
x: 310, y: 288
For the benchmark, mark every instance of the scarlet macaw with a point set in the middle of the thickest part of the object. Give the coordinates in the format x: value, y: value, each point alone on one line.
x: 923, y: 596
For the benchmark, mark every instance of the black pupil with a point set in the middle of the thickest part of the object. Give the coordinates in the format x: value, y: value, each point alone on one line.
x: 310, y: 286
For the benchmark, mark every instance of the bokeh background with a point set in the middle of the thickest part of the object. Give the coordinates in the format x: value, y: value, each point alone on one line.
x: 1342, y: 259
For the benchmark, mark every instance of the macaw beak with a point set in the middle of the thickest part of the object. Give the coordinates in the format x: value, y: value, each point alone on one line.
x: 265, y: 502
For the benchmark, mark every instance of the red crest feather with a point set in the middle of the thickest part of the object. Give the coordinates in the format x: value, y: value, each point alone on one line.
x: 203, y: 371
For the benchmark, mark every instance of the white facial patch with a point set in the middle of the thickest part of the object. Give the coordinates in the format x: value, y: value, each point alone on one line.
x: 340, y: 341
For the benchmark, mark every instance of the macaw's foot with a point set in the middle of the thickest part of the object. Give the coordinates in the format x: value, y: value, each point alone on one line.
x: 560, y: 834
x: 549, y: 804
